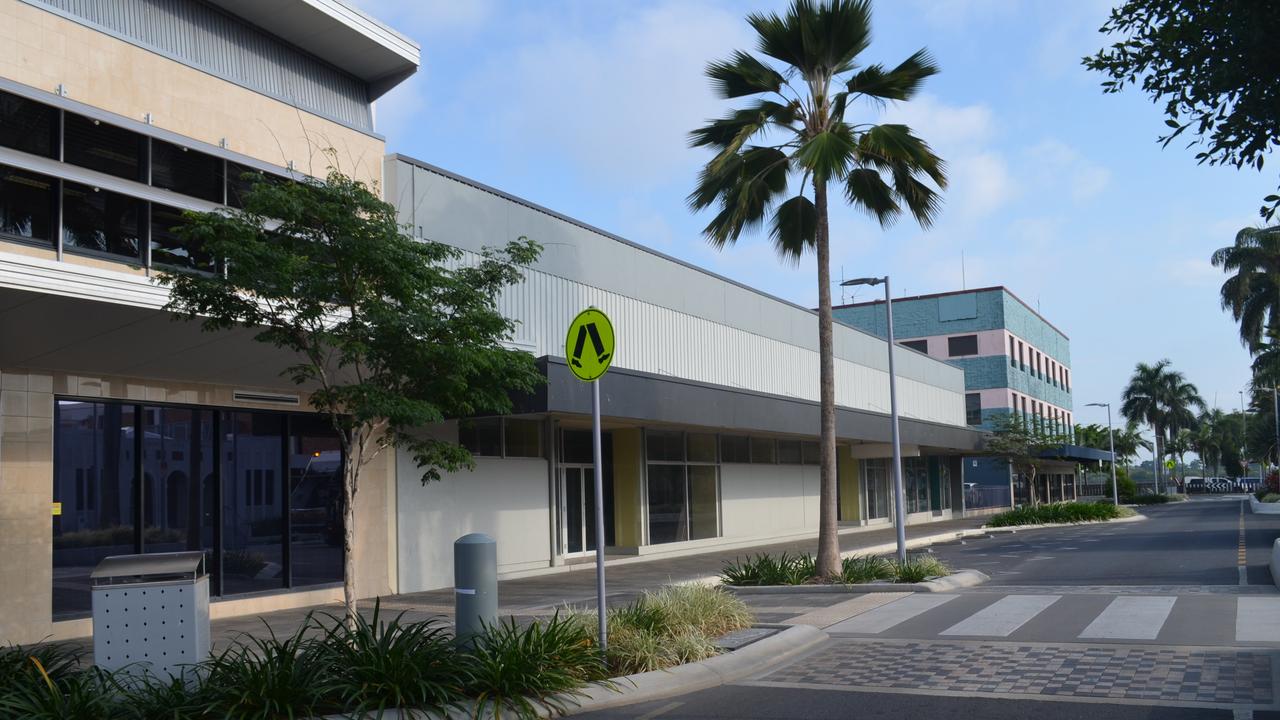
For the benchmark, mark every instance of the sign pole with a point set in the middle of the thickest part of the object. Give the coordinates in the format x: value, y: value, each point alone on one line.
x: 598, y: 458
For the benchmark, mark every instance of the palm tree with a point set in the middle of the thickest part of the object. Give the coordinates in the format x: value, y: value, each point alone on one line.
x: 1181, y: 443
x: 1252, y: 294
x: 793, y: 138
x: 1163, y: 399
x: 1129, y: 441
x: 1209, y: 436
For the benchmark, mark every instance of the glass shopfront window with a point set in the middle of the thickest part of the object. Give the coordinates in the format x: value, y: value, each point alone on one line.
x: 915, y: 477
x: 683, y: 486
x: 147, y: 478
x: 877, y: 485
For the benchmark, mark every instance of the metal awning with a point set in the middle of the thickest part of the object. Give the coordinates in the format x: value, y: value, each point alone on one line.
x: 149, y: 567
x: 1077, y: 453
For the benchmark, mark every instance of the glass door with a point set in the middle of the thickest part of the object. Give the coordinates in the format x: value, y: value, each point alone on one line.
x: 577, y: 509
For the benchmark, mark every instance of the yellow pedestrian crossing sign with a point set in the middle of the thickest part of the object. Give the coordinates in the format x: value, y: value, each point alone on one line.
x: 588, y: 346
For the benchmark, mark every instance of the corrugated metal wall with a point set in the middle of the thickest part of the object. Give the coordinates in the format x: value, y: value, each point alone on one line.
x: 207, y: 39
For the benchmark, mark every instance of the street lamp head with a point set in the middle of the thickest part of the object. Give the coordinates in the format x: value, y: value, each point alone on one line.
x: 1097, y: 404
x: 863, y: 281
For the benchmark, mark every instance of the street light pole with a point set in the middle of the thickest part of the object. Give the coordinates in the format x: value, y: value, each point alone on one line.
x: 899, y: 493
x: 1244, y: 437
x: 1111, y: 438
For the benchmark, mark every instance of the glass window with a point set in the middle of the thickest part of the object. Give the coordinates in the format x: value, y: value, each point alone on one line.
x: 576, y: 446
x: 252, y: 508
x: 664, y: 445
x: 962, y: 345
x: 735, y: 449
x: 179, y: 495
x: 241, y: 179
x: 315, y: 501
x: 28, y: 126
x: 762, y: 450
x: 973, y: 409
x: 789, y: 452
x: 183, y: 170
x: 915, y: 473
x: 523, y: 438
x: 481, y: 436
x: 704, y: 502
x: 167, y: 248
x: 1013, y: 357
x: 810, y: 453
x: 28, y: 204
x: 106, y: 148
x: 93, y: 479
x: 701, y: 447
x: 877, y: 484
x: 921, y: 346
x: 668, y: 504
x: 100, y: 221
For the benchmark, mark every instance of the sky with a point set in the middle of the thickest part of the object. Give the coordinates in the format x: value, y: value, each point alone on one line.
x: 1057, y: 191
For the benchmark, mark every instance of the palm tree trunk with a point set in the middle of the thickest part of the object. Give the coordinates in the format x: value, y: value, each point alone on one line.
x: 828, y: 533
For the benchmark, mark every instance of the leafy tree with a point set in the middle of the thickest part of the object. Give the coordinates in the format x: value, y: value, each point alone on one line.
x: 1179, y: 445
x: 794, y: 137
x: 1026, y: 446
x: 1252, y: 292
x: 388, y: 334
x: 1129, y: 441
x: 1126, y: 488
x: 1093, y: 436
x: 1211, y: 64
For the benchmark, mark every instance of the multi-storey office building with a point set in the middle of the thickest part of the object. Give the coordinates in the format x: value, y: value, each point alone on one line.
x: 122, y: 431
x: 1015, y: 362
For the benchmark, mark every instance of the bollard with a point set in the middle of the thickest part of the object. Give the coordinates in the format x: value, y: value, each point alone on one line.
x: 475, y: 585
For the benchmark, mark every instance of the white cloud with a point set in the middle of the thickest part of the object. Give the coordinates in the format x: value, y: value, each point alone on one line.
x: 1060, y: 166
x: 617, y: 103
x: 948, y: 128
x: 979, y: 185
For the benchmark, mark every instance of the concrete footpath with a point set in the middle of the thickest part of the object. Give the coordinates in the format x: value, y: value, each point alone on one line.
x: 541, y: 595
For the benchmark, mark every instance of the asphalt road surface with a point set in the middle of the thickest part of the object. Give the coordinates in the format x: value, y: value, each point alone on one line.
x: 1151, y: 619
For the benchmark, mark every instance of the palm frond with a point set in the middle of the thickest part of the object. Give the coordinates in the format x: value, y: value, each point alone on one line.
x: 900, y: 83
x: 743, y: 74
x: 827, y: 154
x: 794, y: 228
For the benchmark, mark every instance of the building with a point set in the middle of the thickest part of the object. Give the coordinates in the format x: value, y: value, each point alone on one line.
x: 1015, y: 363
x: 122, y: 431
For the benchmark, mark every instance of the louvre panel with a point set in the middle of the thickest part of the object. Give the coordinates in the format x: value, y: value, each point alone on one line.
x: 207, y: 39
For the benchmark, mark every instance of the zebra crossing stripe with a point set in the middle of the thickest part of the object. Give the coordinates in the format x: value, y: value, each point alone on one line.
x: 895, y: 613
x: 1002, y: 617
x: 1131, y: 618
x: 1258, y: 619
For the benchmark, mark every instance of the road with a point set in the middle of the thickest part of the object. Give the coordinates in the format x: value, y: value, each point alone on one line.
x: 1151, y: 619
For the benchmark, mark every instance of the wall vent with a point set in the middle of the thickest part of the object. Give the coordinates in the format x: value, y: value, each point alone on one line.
x: 254, y: 396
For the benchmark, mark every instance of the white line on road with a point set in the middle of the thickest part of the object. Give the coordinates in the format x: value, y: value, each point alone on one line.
x: 1258, y: 619
x: 1131, y: 618
x: 660, y: 711
x: 887, y: 616
x: 1003, y: 616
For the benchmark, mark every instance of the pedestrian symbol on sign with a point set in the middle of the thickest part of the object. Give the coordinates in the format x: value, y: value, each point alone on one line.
x: 589, y: 344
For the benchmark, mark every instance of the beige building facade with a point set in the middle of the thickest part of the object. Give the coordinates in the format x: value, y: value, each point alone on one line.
x: 120, y: 429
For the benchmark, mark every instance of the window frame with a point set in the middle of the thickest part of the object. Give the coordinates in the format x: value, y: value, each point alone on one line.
x: 952, y: 341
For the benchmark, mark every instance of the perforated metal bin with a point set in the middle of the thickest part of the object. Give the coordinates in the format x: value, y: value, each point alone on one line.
x: 151, y: 612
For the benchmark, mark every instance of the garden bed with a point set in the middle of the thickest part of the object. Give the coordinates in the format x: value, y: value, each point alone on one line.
x: 766, y: 570
x: 326, y: 668
x: 1060, y: 514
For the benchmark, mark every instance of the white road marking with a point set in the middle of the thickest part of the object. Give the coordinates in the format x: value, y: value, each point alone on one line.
x: 1003, y: 616
x: 660, y: 711
x: 1258, y: 619
x: 1131, y: 618
x: 895, y: 613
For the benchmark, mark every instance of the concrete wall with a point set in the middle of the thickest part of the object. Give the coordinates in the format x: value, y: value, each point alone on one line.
x: 768, y: 500
x: 505, y: 498
x: 43, y: 50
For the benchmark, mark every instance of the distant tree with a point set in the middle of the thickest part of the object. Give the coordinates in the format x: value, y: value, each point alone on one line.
x: 1179, y: 445
x: 794, y: 137
x: 1162, y: 398
x: 1213, y: 66
x: 1129, y: 441
x: 1092, y: 436
x: 390, y: 334
x: 1025, y: 446
x: 1252, y: 292
x: 1209, y: 438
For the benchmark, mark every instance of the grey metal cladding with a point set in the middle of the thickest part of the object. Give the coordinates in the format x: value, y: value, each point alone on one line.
x: 634, y: 395
x: 210, y: 40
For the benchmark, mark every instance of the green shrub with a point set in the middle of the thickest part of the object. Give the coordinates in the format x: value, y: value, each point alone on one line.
x: 674, y: 625
x: 81, y: 695
x: 765, y: 569
x: 1271, y: 497
x: 1125, y: 485
x: 266, y: 678
x: 1055, y: 513
x: 524, y: 671
x: 865, y: 568
x: 1150, y: 500
x: 918, y: 568
x: 377, y: 665
x: 55, y: 660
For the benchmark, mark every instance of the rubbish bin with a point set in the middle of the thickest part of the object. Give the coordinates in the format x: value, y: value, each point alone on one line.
x: 151, y: 612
